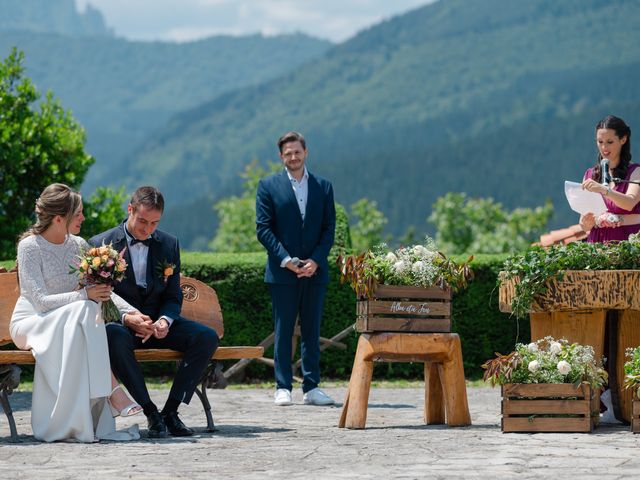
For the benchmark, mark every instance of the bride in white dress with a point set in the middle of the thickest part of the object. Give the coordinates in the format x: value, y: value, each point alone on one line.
x: 62, y: 326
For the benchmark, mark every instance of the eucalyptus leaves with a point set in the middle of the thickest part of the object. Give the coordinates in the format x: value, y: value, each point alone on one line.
x: 534, y: 268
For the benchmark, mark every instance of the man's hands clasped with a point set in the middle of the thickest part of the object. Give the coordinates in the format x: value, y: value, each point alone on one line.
x: 144, y: 327
x: 307, y: 268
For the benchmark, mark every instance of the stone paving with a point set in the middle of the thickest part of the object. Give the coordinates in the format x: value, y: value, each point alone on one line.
x: 256, y: 440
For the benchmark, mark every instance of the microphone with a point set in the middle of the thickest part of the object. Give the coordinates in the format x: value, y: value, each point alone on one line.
x: 604, y: 167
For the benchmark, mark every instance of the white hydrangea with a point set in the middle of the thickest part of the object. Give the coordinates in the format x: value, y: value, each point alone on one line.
x: 564, y: 367
x: 400, y: 266
x: 417, y: 267
x: 391, y: 257
x: 555, y: 348
x: 534, y: 365
x: 532, y: 347
x: 419, y: 250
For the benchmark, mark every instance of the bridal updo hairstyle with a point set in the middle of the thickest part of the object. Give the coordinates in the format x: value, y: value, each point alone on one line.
x: 56, y: 199
x: 622, y: 130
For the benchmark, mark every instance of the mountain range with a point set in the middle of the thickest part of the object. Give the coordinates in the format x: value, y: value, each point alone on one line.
x: 494, y: 98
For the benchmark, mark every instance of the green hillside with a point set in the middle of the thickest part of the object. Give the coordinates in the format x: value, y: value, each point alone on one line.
x: 121, y: 91
x: 494, y: 97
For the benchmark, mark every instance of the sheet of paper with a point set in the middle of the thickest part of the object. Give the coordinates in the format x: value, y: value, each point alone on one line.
x: 582, y: 201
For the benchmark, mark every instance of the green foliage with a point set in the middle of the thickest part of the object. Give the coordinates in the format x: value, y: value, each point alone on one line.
x: 342, y: 241
x: 535, y: 267
x: 484, y: 226
x: 632, y: 370
x: 366, y: 231
x: 37, y: 147
x: 103, y: 211
x: 237, y: 214
x: 547, y: 361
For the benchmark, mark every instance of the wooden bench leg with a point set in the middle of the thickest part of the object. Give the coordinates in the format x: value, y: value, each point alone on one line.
x: 345, y: 408
x: 455, y: 390
x: 9, y: 381
x: 359, y: 386
x: 434, y: 411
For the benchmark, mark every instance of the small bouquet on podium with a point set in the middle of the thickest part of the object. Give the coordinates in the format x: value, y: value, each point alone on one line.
x: 101, y: 265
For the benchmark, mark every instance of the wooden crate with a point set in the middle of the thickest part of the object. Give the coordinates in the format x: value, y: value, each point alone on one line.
x: 635, y: 415
x: 394, y: 308
x: 548, y: 407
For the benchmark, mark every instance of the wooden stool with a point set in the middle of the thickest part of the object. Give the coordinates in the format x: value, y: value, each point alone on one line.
x: 445, y: 390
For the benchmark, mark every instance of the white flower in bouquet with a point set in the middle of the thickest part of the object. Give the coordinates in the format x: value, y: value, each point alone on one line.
x: 419, y: 250
x: 564, y: 367
x: 555, y: 348
x: 534, y: 365
x: 391, y: 257
x: 399, y: 267
x: 417, y: 267
x: 532, y: 347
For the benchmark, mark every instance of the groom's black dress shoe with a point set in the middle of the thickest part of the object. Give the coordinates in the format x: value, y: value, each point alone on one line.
x: 175, y: 425
x: 157, y: 427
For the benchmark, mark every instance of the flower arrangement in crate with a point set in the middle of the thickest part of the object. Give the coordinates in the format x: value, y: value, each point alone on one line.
x: 548, y: 386
x: 632, y: 381
x: 420, y: 265
x: 547, y: 361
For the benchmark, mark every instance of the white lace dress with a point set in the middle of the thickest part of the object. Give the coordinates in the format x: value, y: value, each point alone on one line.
x: 65, y: 332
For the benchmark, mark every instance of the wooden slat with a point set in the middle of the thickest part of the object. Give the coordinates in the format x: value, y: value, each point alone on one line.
x: 546, y: 407
x: 402, y: 291
x: 147, y: 355
x: 542, y: 424
x: 409, y: 308
x: 545, y: 390
x: 390, y: 324
x: 9, y: 293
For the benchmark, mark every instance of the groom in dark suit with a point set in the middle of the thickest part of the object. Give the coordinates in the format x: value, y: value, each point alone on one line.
x: 295, y: 221
x: 152, y: 285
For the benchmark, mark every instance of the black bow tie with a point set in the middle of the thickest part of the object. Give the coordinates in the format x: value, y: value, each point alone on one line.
x: 145, y: 242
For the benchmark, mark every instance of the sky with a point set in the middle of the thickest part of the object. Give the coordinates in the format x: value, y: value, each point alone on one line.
x: 186, y: 20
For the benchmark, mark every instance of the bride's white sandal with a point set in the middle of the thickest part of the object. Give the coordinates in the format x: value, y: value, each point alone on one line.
x: 132, y: 409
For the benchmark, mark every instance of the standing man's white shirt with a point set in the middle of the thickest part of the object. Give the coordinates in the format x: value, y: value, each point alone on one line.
x: 301, y: 192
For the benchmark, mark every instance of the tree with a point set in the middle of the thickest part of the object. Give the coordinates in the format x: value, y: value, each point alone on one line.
x: 366, y: 232
x: 38, y: 146
x: 237, y: 214
x: 103, y: 211
x: 481, y: 225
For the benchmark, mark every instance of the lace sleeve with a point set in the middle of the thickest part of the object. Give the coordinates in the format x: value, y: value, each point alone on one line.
x: 32, y: 284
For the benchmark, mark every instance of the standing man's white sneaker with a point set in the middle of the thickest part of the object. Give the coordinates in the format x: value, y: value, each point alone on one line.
x: 282, y: 397
x: 317, y: 397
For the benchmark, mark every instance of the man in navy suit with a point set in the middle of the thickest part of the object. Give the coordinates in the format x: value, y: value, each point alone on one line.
x: 295, y: 221
x: 152, y: 285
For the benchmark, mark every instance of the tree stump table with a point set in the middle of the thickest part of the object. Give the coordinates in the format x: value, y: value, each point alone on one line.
x: 581, y: 308
x: 399, y: 324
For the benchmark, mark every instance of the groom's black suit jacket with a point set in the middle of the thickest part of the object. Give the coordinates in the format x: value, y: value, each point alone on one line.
x: 160, y: 297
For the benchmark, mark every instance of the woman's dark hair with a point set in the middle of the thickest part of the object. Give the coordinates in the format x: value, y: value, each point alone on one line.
x: 622, y: 130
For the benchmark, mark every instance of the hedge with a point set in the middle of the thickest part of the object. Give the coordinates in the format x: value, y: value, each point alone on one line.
x: 246, y: 308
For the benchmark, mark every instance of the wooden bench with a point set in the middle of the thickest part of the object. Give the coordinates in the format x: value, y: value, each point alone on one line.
x: 200, y: 304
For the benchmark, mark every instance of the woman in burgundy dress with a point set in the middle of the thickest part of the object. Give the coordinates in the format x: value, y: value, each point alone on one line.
x: 622, y: 218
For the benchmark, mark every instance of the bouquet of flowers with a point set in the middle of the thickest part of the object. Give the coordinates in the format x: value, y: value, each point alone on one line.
x: 100, y: 265
x: 547, y: 361
x: 632, y: 370
x: 419, y: 265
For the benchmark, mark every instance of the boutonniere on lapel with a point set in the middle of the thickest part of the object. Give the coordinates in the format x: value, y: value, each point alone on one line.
x: 165, y: 270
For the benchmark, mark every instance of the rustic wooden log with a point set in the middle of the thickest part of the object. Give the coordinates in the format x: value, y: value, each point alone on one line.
x: 547, y: 407
x: 581, y: 290
x: 445, y: 389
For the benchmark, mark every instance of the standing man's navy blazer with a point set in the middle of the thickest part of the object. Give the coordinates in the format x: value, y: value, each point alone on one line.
x: 296, y: 219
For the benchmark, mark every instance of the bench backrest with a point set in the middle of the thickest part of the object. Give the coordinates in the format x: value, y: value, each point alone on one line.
x: 200, y: 304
